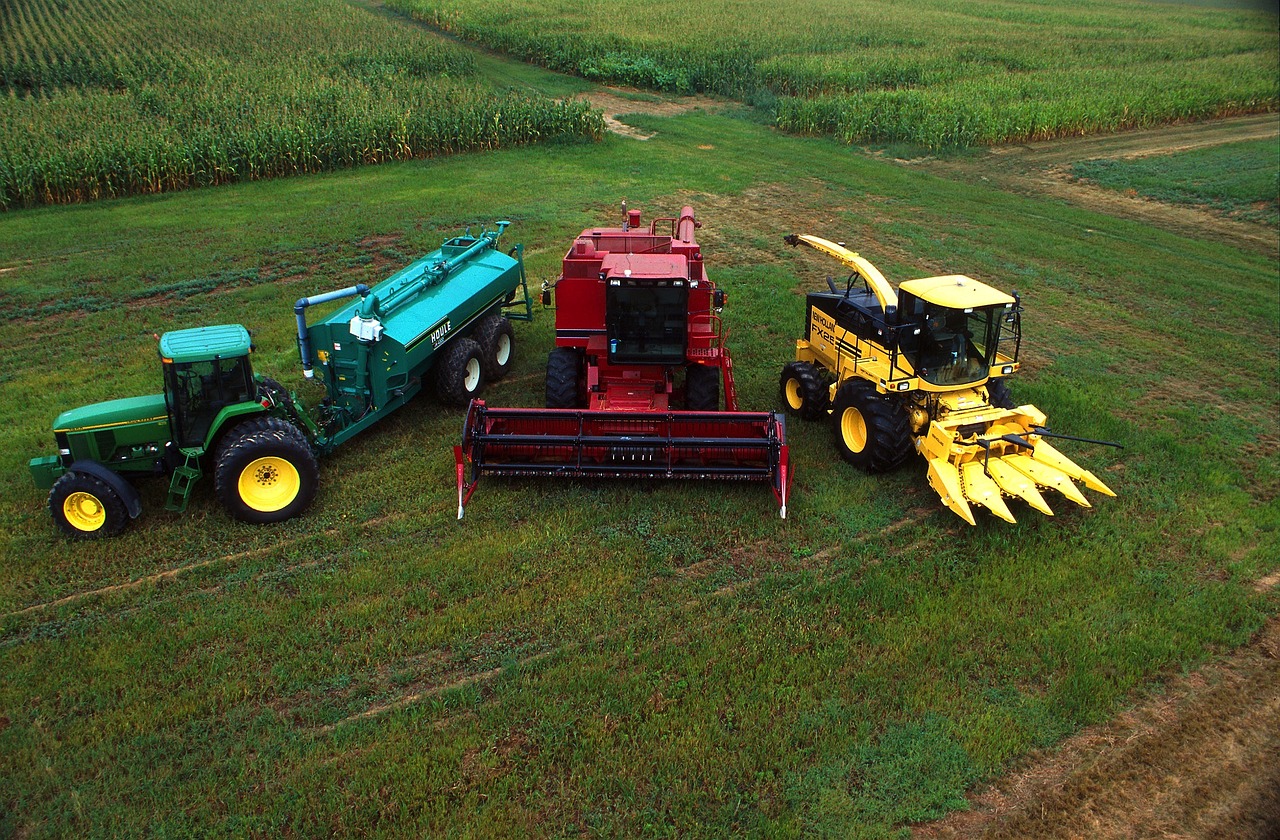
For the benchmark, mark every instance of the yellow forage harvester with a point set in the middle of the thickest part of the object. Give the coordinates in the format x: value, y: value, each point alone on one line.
x: 922, y: 369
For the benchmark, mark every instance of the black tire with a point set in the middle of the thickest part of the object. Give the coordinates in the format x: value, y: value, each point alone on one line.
x: 802, y: 391
x: 871, y: 431
x: 564, y: 378
x: 265, y: 471
x: 497, y: 342
x: 460, y: 373
x: 998, y: 394
x: 702, y: 388
x: 85, y: 507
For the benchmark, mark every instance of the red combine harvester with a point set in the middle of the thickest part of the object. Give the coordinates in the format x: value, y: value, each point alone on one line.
x: 633, y: 384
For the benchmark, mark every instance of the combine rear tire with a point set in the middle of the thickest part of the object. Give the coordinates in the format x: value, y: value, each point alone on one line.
x: 871, y: 431
x: 702, y: 388
x: 564, y: 375
x: 497, y: 340
x: 802, y: 391
x: 86, y: 508
x: 265, y: 471
x: 460, y: 373
x: 998, y: 394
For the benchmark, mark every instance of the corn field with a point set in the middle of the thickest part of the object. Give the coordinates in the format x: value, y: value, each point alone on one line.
x: 113, y: 98
x: 929, y: 72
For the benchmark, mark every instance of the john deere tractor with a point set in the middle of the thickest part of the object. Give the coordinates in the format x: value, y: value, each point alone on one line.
x: 922, y: 369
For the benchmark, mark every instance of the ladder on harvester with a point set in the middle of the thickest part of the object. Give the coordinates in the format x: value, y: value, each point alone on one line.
x: 183, y: 480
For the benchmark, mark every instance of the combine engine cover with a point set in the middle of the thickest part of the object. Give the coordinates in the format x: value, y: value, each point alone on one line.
x: 634, y: 383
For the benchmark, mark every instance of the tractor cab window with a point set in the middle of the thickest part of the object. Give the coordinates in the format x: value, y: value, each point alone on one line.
x: 952, y: 346
x: 646, y: 321
x: 197, y: 391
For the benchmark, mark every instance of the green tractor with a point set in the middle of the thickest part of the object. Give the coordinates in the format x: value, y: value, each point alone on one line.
x: 444, y: 320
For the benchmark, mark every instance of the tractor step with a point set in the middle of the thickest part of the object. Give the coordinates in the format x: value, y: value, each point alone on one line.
x: 182, y: 481
x: 574, y: 443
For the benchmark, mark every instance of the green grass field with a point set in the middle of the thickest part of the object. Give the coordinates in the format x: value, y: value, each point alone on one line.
x: 1240, y: 179
x: 615, y: 659
x: 928, y: 72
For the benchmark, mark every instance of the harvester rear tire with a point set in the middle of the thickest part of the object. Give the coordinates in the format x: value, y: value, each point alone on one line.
x: 802, y: 391
x: 265, y: 471
x: 564, y: 378
x: 497, y: 342
x: 460, y: 373
x: 998, y: 394
x: 85, y: 507
x: 871, y: 431
x: 702, y: 388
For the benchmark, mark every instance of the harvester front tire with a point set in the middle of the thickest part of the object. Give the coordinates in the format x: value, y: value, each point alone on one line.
x: 998, y: 394
x: 265, y: 471
x: 85, y: 507
x: 871, y: 431
x: 802, y: 391
x: 460, y: 374
x: 702, y: 388
x: 497, y: 342
x: 564, y: 374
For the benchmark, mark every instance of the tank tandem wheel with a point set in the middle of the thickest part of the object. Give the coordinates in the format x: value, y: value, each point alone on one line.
x: 802, y: 391
x: 497, y: 340
x: 871, y: 430
x: 265, y: 471
x: 85, y: 507
x: 460, y: 372
x: 702, y: 388
x: 564, y: 375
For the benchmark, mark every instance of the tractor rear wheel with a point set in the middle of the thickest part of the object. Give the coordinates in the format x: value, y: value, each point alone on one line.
x: 702, y: 388
x: 802, y: 391
x: 871, y: 430
x: 497, y: 340
x: 998, y: 394
x: 564, y: 378
x: 460, y: 373
x: 86, y: 508
x: 265, y: 471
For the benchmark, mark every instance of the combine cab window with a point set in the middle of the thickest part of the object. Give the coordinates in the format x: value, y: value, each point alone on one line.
x: 197, y: 391
x: 953, y: 347
x: 646, y: 323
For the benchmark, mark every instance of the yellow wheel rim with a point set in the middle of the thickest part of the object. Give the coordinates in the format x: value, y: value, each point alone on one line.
x: 269, y: 484
x: 794, y: 398
x: 854, y: 429
x: 84, y: 511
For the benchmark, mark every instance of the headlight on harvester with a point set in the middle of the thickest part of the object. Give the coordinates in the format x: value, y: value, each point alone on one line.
x: 1006, y: 370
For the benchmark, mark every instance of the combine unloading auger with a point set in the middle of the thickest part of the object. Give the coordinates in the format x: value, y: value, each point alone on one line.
x: 922, y: 368
x: 633, y: 385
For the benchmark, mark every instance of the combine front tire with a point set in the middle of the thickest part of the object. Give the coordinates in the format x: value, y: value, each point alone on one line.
x: 564, y: 373
x: 460, y: 373
x: 871, y: 431
x: 496, y: 339
x: 802, y: 391
x: 265, y: 471
x: 86, y: 507
x: 702, y: 388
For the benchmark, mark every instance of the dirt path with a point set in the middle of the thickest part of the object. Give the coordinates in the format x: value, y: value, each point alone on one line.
x: 1043, y: 169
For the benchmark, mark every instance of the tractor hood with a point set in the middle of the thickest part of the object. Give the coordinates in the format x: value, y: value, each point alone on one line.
x: 124, y: 412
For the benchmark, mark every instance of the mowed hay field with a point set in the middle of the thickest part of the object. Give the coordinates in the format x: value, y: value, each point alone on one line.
x: 617, y: 659
x: 930, y: 72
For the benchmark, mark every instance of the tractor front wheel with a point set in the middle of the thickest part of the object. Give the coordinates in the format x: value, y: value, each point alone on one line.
x: 265, y: 471
x: 497, y: 340
x: 802, y: 391
x: 702, y: 388
x: 871, y: 430
x: 460, y: 373
x: 86, y: 508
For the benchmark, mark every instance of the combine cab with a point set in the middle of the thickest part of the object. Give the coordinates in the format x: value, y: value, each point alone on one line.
x: 922, y: 368
x: 634, y: 383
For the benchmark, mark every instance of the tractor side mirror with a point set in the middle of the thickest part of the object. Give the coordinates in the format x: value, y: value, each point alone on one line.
x: 546, y: 294
x: 717, y: 299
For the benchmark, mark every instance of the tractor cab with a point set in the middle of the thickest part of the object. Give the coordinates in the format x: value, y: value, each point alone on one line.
x: 206, y: 369
x: 950, y: 328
